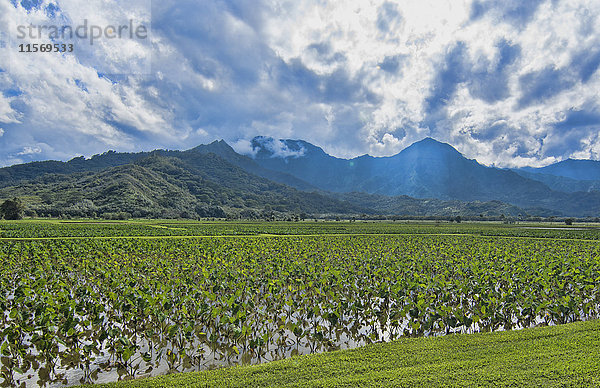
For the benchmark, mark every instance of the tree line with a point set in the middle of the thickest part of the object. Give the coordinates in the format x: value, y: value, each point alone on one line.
x: 12, y: 209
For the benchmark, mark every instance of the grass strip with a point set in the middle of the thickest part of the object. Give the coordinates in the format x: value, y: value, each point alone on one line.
x: 558, y: 356
x: 269, y: 235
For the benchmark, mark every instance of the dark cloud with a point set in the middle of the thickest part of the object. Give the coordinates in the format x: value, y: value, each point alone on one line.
x: 536, y: 87
x: 81, y: 85
x: 388, y: 17
x: 491, y: 83
x: 323, y: 52
x: 253, y: 13
x: 560, y: 141
x: 398, y: 133
x: 337, y: 87
x: 295, y: 75
x: 449, y: 75
x: 579, y: 118
x: 391, y: 64
x: 503, y: 136
x: 479, y: 9
x: 486, y: 81
x: 586, y: 63
x: 564, y: 143
x: 202, y: 32
x: 28, y: 4
x: 517, y: 12
x: 322, y: 49
x: 492, y: 132
x: 509, y: 53
x: 255, y: 87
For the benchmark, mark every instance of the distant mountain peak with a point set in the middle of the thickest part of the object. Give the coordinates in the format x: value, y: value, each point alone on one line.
x: 431, y: 143
x: 579, y: 169
x: 428, y: 149
x: 219, y: 147
x: 220, y: 142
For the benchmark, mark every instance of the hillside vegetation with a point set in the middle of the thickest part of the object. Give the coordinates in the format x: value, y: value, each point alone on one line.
x: 159, y: 186
x: 428, y: 179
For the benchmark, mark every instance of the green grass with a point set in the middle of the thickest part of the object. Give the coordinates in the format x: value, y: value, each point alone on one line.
x: 559, y: 356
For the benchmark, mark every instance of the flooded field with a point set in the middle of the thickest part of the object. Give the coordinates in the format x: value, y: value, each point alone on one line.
x: 84, y: 310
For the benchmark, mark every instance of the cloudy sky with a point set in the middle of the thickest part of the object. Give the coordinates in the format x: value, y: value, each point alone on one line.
x: 509, y: 83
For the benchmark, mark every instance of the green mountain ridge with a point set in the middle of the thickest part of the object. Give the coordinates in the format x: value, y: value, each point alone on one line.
x: 165, y: 186
x: 215, y: 181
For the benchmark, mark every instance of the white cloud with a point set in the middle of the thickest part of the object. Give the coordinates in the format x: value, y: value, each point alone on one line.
x: 1, y: 132
x: 202, y: 132
x: 7, y: 113
x: 244, y: 147
x: 67, y: 103
x: 280, y: 149
x: 551, y: 38
x: 30, y: 150
x: 352, y: 77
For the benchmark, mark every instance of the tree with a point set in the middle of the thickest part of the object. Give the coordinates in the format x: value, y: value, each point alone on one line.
x: 12, y: 209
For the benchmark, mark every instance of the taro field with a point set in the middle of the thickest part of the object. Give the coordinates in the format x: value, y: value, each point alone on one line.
x: 97, y: 302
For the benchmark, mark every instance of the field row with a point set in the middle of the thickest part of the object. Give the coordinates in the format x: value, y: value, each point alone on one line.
x: 47, y: 229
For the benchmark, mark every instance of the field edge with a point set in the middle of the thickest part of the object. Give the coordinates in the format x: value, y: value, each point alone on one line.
x: 555, y: 356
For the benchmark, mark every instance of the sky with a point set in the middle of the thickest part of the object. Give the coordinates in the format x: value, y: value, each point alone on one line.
x: 509, y: 83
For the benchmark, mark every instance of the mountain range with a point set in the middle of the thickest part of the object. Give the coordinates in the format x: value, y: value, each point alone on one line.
x: 431, y: 169
x: 429, y: 178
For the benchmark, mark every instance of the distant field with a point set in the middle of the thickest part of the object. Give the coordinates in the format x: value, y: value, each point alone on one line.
x: 95, y: 228
x: 97, y: 301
